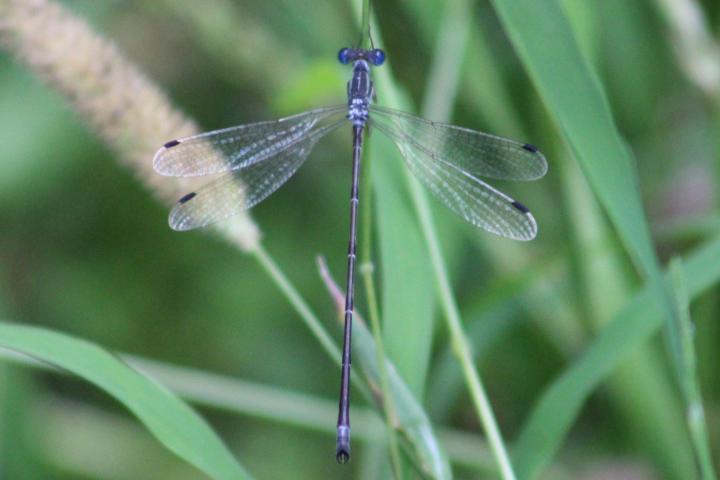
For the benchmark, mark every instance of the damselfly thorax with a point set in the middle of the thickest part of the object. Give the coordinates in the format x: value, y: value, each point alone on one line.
x: 360, y: 92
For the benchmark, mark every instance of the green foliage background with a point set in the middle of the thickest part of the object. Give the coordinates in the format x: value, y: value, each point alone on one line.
x: 85, y: 250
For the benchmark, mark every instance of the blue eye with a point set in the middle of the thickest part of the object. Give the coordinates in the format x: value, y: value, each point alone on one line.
x: 344, y: 56
x: 377, y: 57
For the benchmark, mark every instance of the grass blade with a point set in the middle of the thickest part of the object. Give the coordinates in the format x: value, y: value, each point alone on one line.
x: 573, y: 95
x: 416, y: 426
x: 17, y: 426
x: 575, y: 98
x: 171, y: 421
x: 69, y: 442
x: 412, y: 421
x: 241, y: 397
x: 561, y: 402
x: 642, y: 393
x: 443, y: 83
x: 407, y: 288
x: 367, y: 273
x: 687, y: 374
x: 366, y: 270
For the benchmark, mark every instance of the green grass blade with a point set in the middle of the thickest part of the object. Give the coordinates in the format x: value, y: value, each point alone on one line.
x: 558, y: 407
x: 491, y: 318
x: 69, y: 444
x: 415, y: 424
x: 171, y: 421
x: 366, y: 270
x: 405, y: 272
x: 17, y: 426
x: 491, y: 98
x: 437, y: 104
x: 643, y: 395
x: 447, y: 61
x: 695, y: 413
x: 406, y: 277
x: 574, y: 97
x: 278, y: 405
x: 546, y: 44
x: 417, y: 431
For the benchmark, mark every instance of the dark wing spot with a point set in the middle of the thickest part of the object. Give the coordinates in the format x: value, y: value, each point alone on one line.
x: 530, y: 148
x: 187, y: 197
x: 520, y: 206
x: 171, y: 144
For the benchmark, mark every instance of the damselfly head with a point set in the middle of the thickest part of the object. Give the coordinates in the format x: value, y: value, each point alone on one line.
x: 375, y: 56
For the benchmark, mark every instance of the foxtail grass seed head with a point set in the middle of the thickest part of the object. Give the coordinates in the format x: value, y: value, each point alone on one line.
x: 121, y: 105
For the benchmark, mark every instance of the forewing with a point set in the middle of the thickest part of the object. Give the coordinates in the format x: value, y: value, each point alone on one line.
x: 239, y: 190
x: 239, y: 147
x: 477, y: 153
x: 471, y: 198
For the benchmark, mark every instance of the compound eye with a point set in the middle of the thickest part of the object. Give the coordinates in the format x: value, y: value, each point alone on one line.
x: 344, y: 56
x: 377, y: 57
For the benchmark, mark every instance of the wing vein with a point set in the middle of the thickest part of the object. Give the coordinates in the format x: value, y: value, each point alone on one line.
x: 237, y: 147
x: 466, y: 195
x: 241, y: 189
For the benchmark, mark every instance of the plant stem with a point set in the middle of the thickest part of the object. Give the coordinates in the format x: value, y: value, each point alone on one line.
x: 296, y: 301
x: 687, y: 374
x: 365, y: 25
x: 302, y: 309
x: 459, y: 341
x: 456, y: 27
x: 367, y: 269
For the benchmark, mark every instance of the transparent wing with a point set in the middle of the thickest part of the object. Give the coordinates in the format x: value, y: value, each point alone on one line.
x: 471, y: 198
x: 476, y: 153
x: 237, y: 147
x: 241, y: 189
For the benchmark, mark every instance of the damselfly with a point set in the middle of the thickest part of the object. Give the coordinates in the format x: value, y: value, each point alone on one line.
x: 258, y: 158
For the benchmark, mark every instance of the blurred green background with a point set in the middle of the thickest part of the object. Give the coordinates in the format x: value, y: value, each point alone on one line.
x: 86, y: 250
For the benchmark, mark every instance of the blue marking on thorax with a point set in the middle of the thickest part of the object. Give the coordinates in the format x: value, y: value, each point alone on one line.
x: 360, y: 90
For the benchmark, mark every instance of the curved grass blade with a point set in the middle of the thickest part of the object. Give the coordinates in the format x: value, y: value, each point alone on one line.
x: 561, y: 402
x: 172, y: 422
x: 412, y: 422
x: 575, y: 99
x: 416, y: 429
x: 274, y: 404
x: 687, y: 375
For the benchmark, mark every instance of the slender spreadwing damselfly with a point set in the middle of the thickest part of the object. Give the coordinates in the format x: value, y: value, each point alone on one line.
x: 256, y: 159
